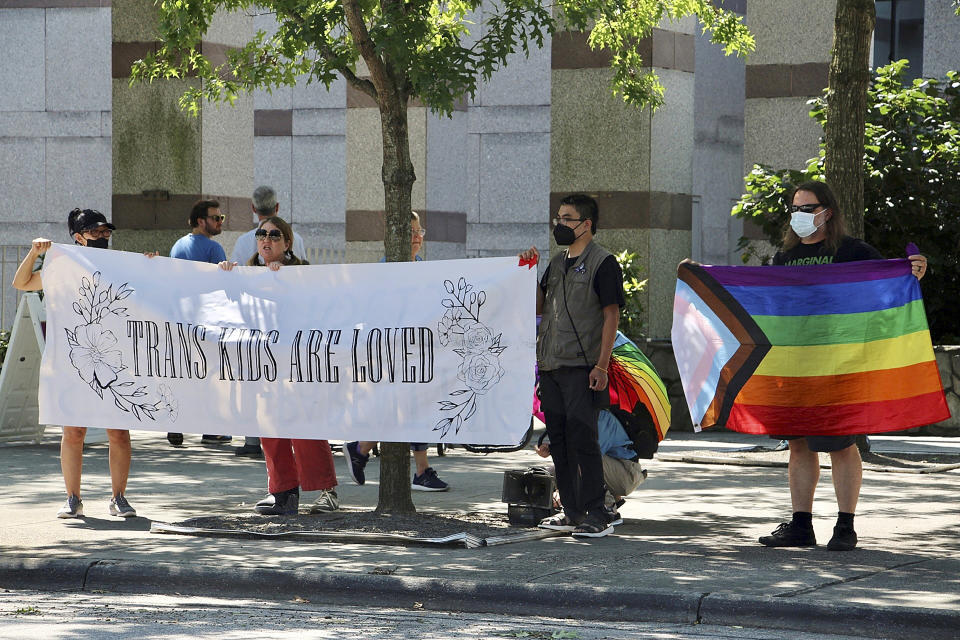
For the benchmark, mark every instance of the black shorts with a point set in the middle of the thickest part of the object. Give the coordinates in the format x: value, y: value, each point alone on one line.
x: 824, y: 444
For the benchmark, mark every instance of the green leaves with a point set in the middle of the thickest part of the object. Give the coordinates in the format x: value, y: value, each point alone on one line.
x: 911, y: 184
x: 437, y: 51
x: 631, y: 316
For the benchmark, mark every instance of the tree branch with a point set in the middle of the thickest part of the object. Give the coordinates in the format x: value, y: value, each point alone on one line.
x: 360, y: 83
x: 361, y: 37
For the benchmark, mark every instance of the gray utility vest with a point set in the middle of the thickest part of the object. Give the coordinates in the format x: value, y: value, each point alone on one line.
x: 557, y: 344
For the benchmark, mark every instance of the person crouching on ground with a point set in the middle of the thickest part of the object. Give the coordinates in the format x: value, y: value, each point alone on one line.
x: 579, y: 297
x: 89, y: 228
x: 292, y: 463
x: 622, y: 473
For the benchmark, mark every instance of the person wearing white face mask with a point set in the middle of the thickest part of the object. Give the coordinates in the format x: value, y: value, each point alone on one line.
x: 817, y: 235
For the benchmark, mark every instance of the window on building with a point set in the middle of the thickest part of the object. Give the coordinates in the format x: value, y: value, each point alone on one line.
x: 899, y: 34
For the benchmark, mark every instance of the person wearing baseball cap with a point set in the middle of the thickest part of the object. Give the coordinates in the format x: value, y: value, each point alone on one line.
x: 89, y: 228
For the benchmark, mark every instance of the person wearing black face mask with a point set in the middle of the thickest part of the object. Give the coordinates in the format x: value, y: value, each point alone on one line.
x: 89, y: 228
x: 579, y: 296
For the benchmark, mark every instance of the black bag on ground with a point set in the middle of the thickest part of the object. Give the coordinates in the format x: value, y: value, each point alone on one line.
x: 640, y: 429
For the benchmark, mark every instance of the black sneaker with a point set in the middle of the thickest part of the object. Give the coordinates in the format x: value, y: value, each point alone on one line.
x: 249, y: 451
x: 285, y: 503
x: 790, y: 535
x: 356, y: 462
x: 614, y: 517
x: 844, y: 539
x: 176, y: 439
x: 428, y: 481
x: 209, y: 439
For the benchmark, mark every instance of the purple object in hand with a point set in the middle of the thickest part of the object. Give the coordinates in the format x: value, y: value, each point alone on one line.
x: 912, y: 249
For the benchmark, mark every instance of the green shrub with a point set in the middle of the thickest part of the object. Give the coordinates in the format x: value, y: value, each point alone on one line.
x: 911, y: 184
x: 631, y: 316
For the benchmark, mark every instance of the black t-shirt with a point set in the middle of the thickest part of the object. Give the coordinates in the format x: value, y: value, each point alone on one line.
x: 607, y: 282
x: 851, y: 250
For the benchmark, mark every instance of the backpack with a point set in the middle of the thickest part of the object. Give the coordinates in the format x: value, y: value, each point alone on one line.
x: 640, y: 429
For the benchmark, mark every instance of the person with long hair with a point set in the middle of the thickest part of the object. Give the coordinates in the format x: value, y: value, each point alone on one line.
x: 293, y: 464
x: 88, y: 228
x: 817, y: 235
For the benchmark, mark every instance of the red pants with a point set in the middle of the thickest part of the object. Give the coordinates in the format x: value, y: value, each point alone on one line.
x: 307, y: 464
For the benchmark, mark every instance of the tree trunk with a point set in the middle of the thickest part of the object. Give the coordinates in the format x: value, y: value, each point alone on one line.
x: 388, y: 88
x: 847, y: 107
x: 398, y: 179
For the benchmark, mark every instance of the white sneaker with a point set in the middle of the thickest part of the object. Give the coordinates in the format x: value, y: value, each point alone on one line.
x: 72, y: 508
x: 121, y: 508
x: 326, y: 502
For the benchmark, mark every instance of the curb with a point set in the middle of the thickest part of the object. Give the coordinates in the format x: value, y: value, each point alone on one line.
x: 578, y: 602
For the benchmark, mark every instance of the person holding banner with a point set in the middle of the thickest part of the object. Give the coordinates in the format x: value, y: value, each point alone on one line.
x: 89, y: 228
x: 292, y: 464
x: 579, y: 297
x: 205, y: 221
x: 817, y: 235
x: 357, y: 453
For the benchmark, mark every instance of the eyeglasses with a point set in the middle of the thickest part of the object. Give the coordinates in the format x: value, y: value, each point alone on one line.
x: 418, y: 232
x: 273, y: 234
x: 561, y: 220
x: 217, y: 218
x: 806, y: 208
x: 99, y: 233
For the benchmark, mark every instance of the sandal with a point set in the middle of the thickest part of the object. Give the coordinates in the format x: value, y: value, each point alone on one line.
x: 592, y: 529
x: 558, y: 522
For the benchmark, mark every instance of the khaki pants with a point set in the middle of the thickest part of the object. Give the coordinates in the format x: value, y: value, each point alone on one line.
x: 621, y: 478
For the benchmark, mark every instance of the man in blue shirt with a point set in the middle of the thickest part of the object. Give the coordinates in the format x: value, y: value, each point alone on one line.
x: 206, y: 221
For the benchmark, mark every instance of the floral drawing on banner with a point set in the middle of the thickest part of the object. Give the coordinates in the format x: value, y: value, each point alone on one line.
x: 99, y: 363
x: 460, y: 328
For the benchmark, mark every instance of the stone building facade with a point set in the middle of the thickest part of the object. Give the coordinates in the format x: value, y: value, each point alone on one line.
x: 73, y: 132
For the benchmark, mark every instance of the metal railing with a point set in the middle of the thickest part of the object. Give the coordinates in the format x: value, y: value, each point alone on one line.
x: 321, y: 255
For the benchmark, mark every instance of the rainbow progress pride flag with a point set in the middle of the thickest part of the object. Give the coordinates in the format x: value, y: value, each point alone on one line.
x: 813, y: 350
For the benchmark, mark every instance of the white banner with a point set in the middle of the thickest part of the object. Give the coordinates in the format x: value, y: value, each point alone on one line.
x: 410, y: 352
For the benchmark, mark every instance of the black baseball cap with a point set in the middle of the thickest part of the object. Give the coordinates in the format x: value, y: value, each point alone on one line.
x: 81, y: 220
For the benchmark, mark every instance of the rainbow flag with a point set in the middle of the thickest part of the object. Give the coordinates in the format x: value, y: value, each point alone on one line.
x: 812, y: 350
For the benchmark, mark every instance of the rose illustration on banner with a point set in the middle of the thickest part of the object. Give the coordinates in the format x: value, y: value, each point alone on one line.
x: 480, y: 371
x: 92, y: 356
x: 98, y: 363
x: 460, y: 329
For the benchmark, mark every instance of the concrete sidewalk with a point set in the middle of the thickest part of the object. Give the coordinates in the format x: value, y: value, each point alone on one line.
x: 687, y: 551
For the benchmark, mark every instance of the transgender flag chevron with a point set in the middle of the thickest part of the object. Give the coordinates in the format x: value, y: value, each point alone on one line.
x: 814, y: 350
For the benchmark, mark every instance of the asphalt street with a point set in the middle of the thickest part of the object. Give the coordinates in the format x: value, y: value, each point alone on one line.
x: 687, y: 553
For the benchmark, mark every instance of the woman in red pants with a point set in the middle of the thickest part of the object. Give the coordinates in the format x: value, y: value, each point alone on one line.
x: 292, y: 464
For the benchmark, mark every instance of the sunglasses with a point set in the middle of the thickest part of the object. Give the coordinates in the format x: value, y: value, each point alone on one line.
x: 806, y: 208
x: 273, y: 234
x: 219, y: 218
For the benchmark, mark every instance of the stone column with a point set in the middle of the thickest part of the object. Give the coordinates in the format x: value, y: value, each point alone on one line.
x: 165, y: 159
x: 365, y: 222
x: 638, y: 165
x: 790, y: 66
x: 718, y: 149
